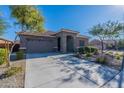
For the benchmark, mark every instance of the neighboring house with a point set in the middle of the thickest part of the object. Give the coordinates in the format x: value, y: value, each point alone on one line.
x: 64, y: 41
x: 97, y: 43
x: 110, y: 42
x: 4, y: 42
x: 8, y: 43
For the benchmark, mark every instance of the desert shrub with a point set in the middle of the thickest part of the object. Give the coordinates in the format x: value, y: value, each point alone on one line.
x: 110, y: 52
x: 2, y: 56
x: 118, y: 57
x: 102, y: 60
x: 12, y: 71
x: 81, y: 50
x: 87, y: 49
x: 94, y: 50
x: 117, y: 54
x: 107, y: 53
x: 88, y: 55
x: 19, y: 55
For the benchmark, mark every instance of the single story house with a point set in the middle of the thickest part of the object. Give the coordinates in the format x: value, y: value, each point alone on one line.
x: 64, y: 41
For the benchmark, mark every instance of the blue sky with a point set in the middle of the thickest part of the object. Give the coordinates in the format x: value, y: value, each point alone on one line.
x: 78, y: 18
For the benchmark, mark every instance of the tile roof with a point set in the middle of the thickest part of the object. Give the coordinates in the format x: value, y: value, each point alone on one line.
x: 68, y: 30
x: 50, y: 33
x: 2, y: 40
x: 47, y: 33
x: 83, y: 36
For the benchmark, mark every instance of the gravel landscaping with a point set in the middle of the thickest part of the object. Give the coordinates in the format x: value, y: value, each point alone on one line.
x: 15, y: 81
x: 112, y: 59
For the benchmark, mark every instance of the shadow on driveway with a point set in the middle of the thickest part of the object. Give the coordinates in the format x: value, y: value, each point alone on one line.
x: 97, y: 73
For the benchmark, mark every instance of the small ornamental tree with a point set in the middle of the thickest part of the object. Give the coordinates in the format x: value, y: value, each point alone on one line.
x: 107, y: 31
x: 98, y: 31
x: 113, y: 30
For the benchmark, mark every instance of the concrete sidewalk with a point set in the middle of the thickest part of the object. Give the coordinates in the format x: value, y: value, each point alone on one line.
x: 117, y: 82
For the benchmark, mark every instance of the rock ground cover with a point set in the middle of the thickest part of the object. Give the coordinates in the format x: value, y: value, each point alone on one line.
x: 15, y: 81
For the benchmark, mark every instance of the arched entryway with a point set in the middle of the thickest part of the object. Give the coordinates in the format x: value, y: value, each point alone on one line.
x: 70, y: 44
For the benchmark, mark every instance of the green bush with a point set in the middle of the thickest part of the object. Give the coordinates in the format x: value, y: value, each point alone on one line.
x: 88, y: 55
x: 87, y: 49
x: 101, y: 60
x: 2, y: 56
x: 110, y: 52
x: 94, y: 50
x: 12, y: 71
x: 118, y: 57
x: 19, y: 55
x: 117, y: 54
x: 81, y: 50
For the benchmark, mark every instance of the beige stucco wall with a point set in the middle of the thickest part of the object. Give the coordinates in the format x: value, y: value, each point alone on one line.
x: 83, y: 39
x: 76, y: 39
x: 63, y: 36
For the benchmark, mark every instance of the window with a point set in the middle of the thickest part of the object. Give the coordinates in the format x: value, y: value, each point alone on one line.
x: 81, y: 43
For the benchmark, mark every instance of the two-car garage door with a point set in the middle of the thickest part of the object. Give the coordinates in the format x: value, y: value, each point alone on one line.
x: 39, y: 46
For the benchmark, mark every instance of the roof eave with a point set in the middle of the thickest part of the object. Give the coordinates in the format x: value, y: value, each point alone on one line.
x: 5, y: 40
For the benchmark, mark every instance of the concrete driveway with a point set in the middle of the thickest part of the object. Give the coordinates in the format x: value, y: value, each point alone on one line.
x: 52, y: 70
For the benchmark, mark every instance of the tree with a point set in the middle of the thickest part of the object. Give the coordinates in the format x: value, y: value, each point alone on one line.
x: 27, y: 17
x: 112, y: 31
x: 2, y: 26
x: 121, y: 44
x: 98, y: 31
x: 109, y: 30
